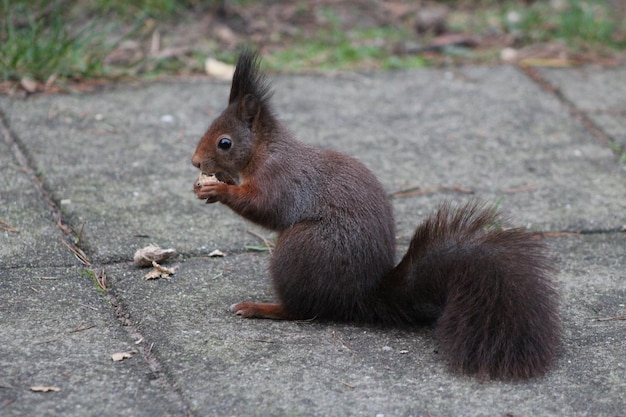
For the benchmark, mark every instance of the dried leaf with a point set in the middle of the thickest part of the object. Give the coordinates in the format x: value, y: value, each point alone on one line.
x: 45, y: 388
x: 158, y: 271
x: 218, y: 69
x: 217, y: 254
x: 28, y: 84
x: 152, y: 274
x: 145, y: 256
x: 120, y: 356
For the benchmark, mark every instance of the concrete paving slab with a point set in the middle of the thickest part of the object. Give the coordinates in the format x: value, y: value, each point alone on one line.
x: 29, y: 236
x: 600, y: 94
x: 58, y: 331
x: 488, y: 130
x: 118, y: 165
x: 225, y: 365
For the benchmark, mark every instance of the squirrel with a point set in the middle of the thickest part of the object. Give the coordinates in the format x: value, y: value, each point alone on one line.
x: 488, y: 289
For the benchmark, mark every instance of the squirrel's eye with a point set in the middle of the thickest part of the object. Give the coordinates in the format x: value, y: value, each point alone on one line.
x: 225, y: 143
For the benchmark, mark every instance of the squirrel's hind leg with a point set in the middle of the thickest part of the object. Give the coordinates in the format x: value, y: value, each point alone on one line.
x: 273, y: 311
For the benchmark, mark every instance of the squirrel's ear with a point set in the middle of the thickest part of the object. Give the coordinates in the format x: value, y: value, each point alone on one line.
x: 248, y: 109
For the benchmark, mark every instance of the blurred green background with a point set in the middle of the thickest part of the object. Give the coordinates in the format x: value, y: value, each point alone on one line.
x: 69, y: 44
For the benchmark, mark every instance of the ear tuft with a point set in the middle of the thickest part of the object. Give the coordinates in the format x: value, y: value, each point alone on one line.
x: 248, y: 81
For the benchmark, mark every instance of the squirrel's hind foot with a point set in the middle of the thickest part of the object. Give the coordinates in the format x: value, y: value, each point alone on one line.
x: 273, y: 311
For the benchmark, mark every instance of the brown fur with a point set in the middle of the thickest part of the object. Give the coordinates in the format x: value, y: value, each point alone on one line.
x: 488, y: 288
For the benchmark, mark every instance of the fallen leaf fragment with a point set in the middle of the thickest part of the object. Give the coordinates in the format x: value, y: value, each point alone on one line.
x: 120, y: 356
x: 158, y: 271
x: 28, y: 84
x: 218, y: 69
x: 145, y: 256
x: 217, y: 254
x: 45, y: 388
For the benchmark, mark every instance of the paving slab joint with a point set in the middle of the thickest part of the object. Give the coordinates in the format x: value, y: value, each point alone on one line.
x: 70, y: 238
x: 581, y: 115
x: 144, y: 346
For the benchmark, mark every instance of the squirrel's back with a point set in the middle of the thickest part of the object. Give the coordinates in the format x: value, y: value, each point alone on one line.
x: 342, y: 245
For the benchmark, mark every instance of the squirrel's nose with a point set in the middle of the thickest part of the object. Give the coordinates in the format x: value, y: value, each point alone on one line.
x: 196, y: 160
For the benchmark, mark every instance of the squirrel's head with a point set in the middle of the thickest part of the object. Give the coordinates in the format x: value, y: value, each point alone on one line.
x: 227, y: 147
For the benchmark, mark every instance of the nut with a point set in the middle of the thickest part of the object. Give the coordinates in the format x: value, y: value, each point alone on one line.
x: 205, y: 179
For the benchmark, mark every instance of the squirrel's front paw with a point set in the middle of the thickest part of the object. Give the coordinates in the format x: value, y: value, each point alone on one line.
x: 211, y: 192
x: 208, y: 187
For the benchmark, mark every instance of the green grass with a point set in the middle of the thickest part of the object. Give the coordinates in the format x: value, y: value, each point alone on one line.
x: 42, y: 47
x: 581, y: 24
x: 91, y: 275
x: 334, y: 48
x: 130, y: 9
x: 68, y: 40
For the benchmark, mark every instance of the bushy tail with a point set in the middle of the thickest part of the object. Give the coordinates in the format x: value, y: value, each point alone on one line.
x: 491, y: 287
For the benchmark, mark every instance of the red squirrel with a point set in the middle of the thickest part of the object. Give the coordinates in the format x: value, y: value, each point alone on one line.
x: 488, y: 289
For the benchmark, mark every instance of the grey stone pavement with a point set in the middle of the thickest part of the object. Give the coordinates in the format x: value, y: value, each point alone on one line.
x: 110, y: 173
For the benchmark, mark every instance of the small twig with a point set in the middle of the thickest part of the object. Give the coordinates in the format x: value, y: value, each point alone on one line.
x: 269, y: 245
x: 101, y: 280
x: 149, y: 351
x: 347, y: 385
x: 82, y: 329
x: 79, y: 238
x: 413, y: 191
x: 457, y: 189
x: 7, y: 227
x: 343, y: 342
x: 6, y: 403
x: 616, y: 318
x: 58, y: 337
x: 417, y: 191
x: 522, y: 189
x: 88, y: 306
x: 65, y: 229
x: 54, y: 339
x: 78, y: 253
